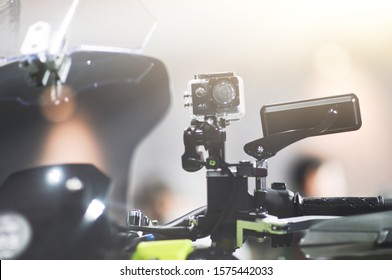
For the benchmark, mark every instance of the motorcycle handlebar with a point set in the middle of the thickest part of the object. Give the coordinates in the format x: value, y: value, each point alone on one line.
x: 342, y: 206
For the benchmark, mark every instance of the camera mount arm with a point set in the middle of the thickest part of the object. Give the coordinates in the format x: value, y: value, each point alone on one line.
x: 267, y: 147
x: 211, y: 134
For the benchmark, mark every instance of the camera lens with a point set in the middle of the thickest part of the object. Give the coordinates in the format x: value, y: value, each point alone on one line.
x: 224, y: 93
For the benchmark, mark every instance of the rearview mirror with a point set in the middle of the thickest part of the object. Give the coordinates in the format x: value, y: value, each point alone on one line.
x: 287, y: 123
x: 310, y: 113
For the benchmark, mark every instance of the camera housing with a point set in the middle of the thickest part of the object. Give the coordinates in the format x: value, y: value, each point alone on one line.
x: 216, y: 94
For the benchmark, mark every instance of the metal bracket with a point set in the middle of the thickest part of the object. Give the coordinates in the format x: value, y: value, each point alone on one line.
x: 270, y: 224
x: 273, y: 225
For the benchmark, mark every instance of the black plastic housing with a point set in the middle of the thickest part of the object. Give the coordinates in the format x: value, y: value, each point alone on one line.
x: 307, y: 114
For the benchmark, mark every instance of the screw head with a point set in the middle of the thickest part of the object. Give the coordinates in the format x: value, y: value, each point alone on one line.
x: 260, y: 150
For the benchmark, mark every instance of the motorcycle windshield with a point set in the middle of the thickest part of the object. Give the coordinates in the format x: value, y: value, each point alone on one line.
x: 117, y: 24
x: 109, y: 100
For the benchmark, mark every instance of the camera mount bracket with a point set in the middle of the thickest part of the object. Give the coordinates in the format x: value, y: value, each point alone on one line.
x: 267, y: 147
x: 211, y: 134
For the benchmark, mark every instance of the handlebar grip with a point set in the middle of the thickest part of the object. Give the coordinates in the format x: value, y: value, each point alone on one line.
x: 343, y: 206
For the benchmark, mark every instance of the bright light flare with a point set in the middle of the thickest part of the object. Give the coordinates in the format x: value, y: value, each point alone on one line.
x: 94, y: 210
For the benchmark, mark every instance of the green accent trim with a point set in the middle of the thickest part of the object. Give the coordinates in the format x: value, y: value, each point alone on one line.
x: 241, y: 225
x: 271, y: 225
x: 163, y: 250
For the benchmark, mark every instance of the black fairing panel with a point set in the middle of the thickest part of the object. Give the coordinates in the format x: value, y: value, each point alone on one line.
x: 118, y: 98
x: 63, y: 206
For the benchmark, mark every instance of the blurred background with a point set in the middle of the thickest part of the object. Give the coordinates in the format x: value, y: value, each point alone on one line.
x: 284, y: 51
